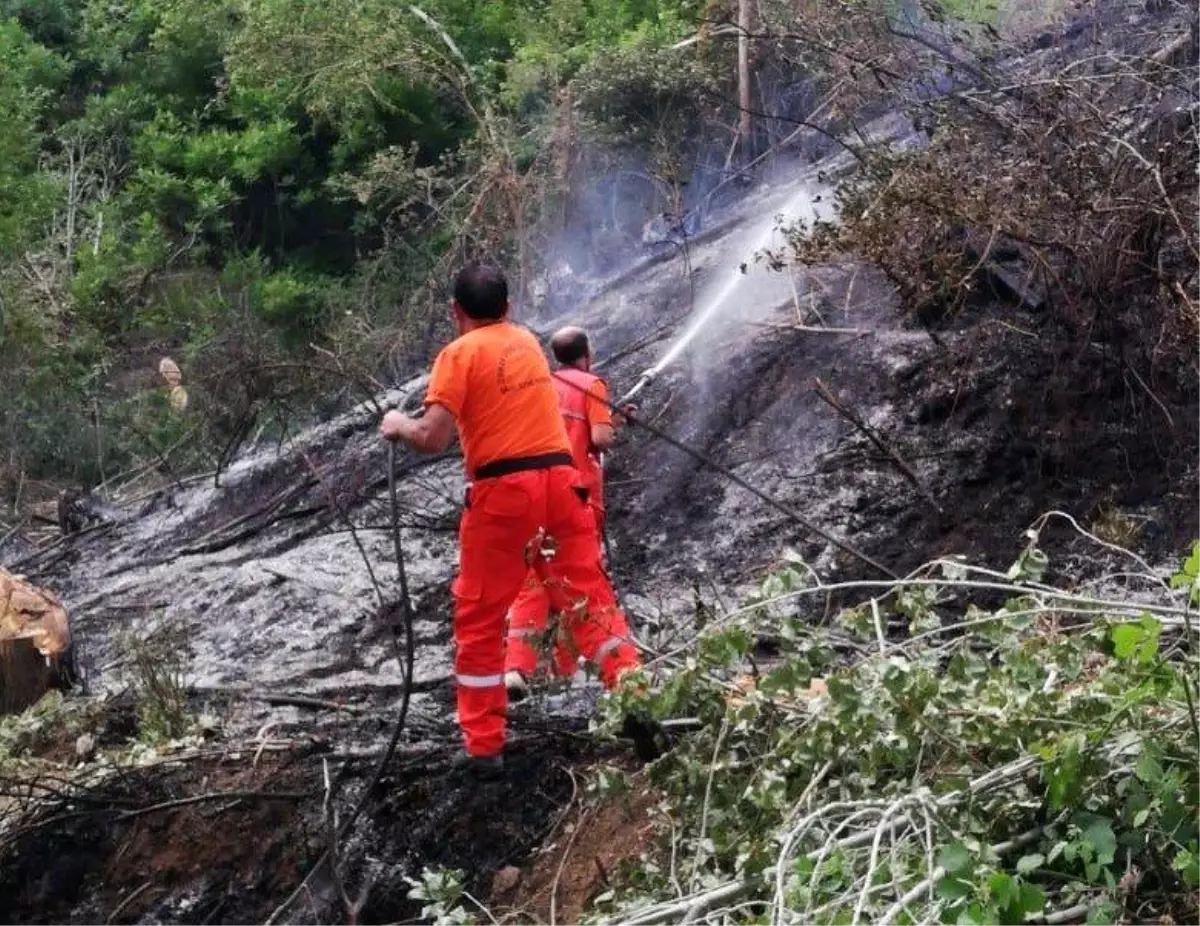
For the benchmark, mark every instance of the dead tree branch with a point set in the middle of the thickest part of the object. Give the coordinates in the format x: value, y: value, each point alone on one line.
x: 826, y: 396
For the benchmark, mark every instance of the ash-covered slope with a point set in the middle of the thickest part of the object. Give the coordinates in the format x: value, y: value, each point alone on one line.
x: 272, y: 589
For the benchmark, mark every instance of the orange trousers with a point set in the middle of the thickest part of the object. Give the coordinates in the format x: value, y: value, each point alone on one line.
x: 527, y: 620
x: 500, y: 538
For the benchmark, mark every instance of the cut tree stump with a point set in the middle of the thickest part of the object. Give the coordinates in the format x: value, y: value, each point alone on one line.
x: 35, y: 644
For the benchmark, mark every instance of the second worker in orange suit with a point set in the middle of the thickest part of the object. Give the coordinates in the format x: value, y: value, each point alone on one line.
x: 590, y: 425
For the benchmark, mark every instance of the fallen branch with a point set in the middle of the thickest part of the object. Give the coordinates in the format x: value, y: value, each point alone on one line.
x: 216, y: 796
x: 1063, y: 916
x: 329, y: 813
x: 306, y: 701
x: 691, y: 906
x: 129, y: 899
x: 121, y: 816
x: 811, y: 329
x: 213, y: 542
x: 826, y: 396
x: 60, y: 541
x: 9, y: 534
x: 688, y: 908
x: 939, y: 872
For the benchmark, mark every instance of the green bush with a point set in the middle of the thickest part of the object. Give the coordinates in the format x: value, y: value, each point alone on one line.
x: 957, y: 763
x: 644, y: 95
x: 294, y: 306
x: 158, y: 676
x: 242, y: 184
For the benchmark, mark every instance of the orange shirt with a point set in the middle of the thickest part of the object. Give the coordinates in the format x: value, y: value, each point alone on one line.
x: 496, y: 383
x: 598, y: 411
x: 583, y: 398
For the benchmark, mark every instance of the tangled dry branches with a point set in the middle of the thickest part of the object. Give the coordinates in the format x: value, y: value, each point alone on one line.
x: 1072, y: 189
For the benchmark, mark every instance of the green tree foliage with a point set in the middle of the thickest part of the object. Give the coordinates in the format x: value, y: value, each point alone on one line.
x: 27, y: 80
x: 185, y: 176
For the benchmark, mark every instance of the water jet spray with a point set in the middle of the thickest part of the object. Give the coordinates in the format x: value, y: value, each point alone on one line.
x: 789, y: 211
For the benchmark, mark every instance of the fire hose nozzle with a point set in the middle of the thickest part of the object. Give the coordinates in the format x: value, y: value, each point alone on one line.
x: 643, y: 381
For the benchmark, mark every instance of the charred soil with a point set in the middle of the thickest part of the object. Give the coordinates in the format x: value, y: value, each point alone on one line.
x: 225, y: 839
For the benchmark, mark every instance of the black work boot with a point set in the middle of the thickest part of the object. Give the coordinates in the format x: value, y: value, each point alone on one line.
x: 517, y: 686
x: 486, y: 768
x: 649, y: 738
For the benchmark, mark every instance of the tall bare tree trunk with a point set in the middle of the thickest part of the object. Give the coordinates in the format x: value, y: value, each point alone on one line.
x: 743, y: 61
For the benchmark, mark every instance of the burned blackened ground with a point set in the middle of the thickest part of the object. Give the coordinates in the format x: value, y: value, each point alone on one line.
x: 135, y: 850
x: 996, y: 415
x: 990, y: 449
x: 209, y: 860
x: 266, y: 578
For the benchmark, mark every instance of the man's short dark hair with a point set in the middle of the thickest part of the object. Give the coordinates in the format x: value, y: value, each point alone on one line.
x: 482, y: 291
x: 570, y: 347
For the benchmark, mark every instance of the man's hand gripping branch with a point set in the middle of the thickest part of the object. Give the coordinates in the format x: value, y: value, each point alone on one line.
x: 430, y: 433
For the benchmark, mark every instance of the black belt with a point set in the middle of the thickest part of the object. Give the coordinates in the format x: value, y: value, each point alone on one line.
x: 522, y: 464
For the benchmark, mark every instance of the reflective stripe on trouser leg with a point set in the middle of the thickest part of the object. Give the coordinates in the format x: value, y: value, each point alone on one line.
x: 527, y: 617
x: 492, y: 568
x: 578, y: 586
x: 479, y: 681
x: 482, y: 703
x: 615, y: 654
x: 607, y: 647
x: 528, y: 620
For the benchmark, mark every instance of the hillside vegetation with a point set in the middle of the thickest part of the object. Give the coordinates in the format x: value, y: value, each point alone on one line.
x: 271, y: 190
x: 273, y: 193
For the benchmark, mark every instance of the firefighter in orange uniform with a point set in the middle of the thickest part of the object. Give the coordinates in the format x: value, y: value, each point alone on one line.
x: 525, y: 506
x: 583, y: 399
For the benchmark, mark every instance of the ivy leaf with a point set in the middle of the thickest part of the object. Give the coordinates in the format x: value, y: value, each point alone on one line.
x: 1148, y: 769
x: 978, y: 914
x: 1189, y: 575
x: 725, y: 648
x: 1099, y: 834
x: 788, y: 677
x: 954, y: 858
x: 1139, y: 641
x: 857, y: 622
x: 1187, y: 863
x: 1032, y: 900
x: 1004, y: 889
x: 954, y: 889
x: 1015, y: 898
x: 1102, y: 914
x: 1063, y: 775
x: 1030, y: 566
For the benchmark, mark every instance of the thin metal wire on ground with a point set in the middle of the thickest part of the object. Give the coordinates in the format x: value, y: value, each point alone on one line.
x: 407, y: 654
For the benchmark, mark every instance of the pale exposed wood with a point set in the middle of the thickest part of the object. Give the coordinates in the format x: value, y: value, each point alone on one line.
x: 35, y: 637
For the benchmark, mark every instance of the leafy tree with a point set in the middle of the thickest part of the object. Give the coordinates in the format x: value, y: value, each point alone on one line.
x: 273, y: 174
x: 30, y: 74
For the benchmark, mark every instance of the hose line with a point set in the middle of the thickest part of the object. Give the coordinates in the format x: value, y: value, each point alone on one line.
x: 406, y: 652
